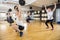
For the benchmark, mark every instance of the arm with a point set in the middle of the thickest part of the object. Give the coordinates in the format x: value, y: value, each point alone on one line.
x: 54, y: 7
x: 20, y: 11
x: 45, y: 8
x: 19, y: 8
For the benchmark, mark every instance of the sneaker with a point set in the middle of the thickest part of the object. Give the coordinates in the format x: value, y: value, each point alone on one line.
x: 21, y: 34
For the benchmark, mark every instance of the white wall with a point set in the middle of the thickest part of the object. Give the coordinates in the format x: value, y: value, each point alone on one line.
x: 57, y: 15
x: 5, y: 7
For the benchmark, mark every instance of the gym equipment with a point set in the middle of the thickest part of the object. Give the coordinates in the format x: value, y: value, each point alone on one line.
x: 22, y: 2
x: 9, y: 10
x: 30, y: 7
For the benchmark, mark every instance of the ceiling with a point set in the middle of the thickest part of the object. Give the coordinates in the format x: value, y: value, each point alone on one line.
x: 17, y: 1
x: 39, y: 3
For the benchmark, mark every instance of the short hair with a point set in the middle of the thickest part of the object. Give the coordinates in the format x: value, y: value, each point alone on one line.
x: 16, y: 8
x: 9, y: 10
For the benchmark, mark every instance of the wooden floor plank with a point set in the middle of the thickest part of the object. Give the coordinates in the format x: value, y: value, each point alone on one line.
x: 36, y: 31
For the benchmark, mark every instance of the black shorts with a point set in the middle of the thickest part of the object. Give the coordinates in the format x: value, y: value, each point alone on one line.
x: 50, y: 20
x: 21, y: 27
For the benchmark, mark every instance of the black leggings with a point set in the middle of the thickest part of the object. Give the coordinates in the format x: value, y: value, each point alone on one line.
x: 51, y: 21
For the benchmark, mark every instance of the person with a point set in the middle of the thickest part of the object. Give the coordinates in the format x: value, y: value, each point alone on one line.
x: 9, y: 17
x: 20, y: 22
x: 28, y: 17
x: 50, y: 16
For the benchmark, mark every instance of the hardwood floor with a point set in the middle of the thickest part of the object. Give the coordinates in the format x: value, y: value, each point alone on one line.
x: 36, y: 31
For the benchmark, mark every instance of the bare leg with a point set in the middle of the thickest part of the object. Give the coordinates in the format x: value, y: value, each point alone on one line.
x: 15, y: 27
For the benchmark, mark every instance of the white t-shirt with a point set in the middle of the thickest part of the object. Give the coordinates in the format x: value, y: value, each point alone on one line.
x: 24, y: 16
x: 50, y: 15
x: 20, y: 22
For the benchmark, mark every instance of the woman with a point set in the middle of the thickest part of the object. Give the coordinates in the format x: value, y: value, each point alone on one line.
x: 50, y: 16
x: 20, y: 22
x: 28, y: 17
x: 9, y: 17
